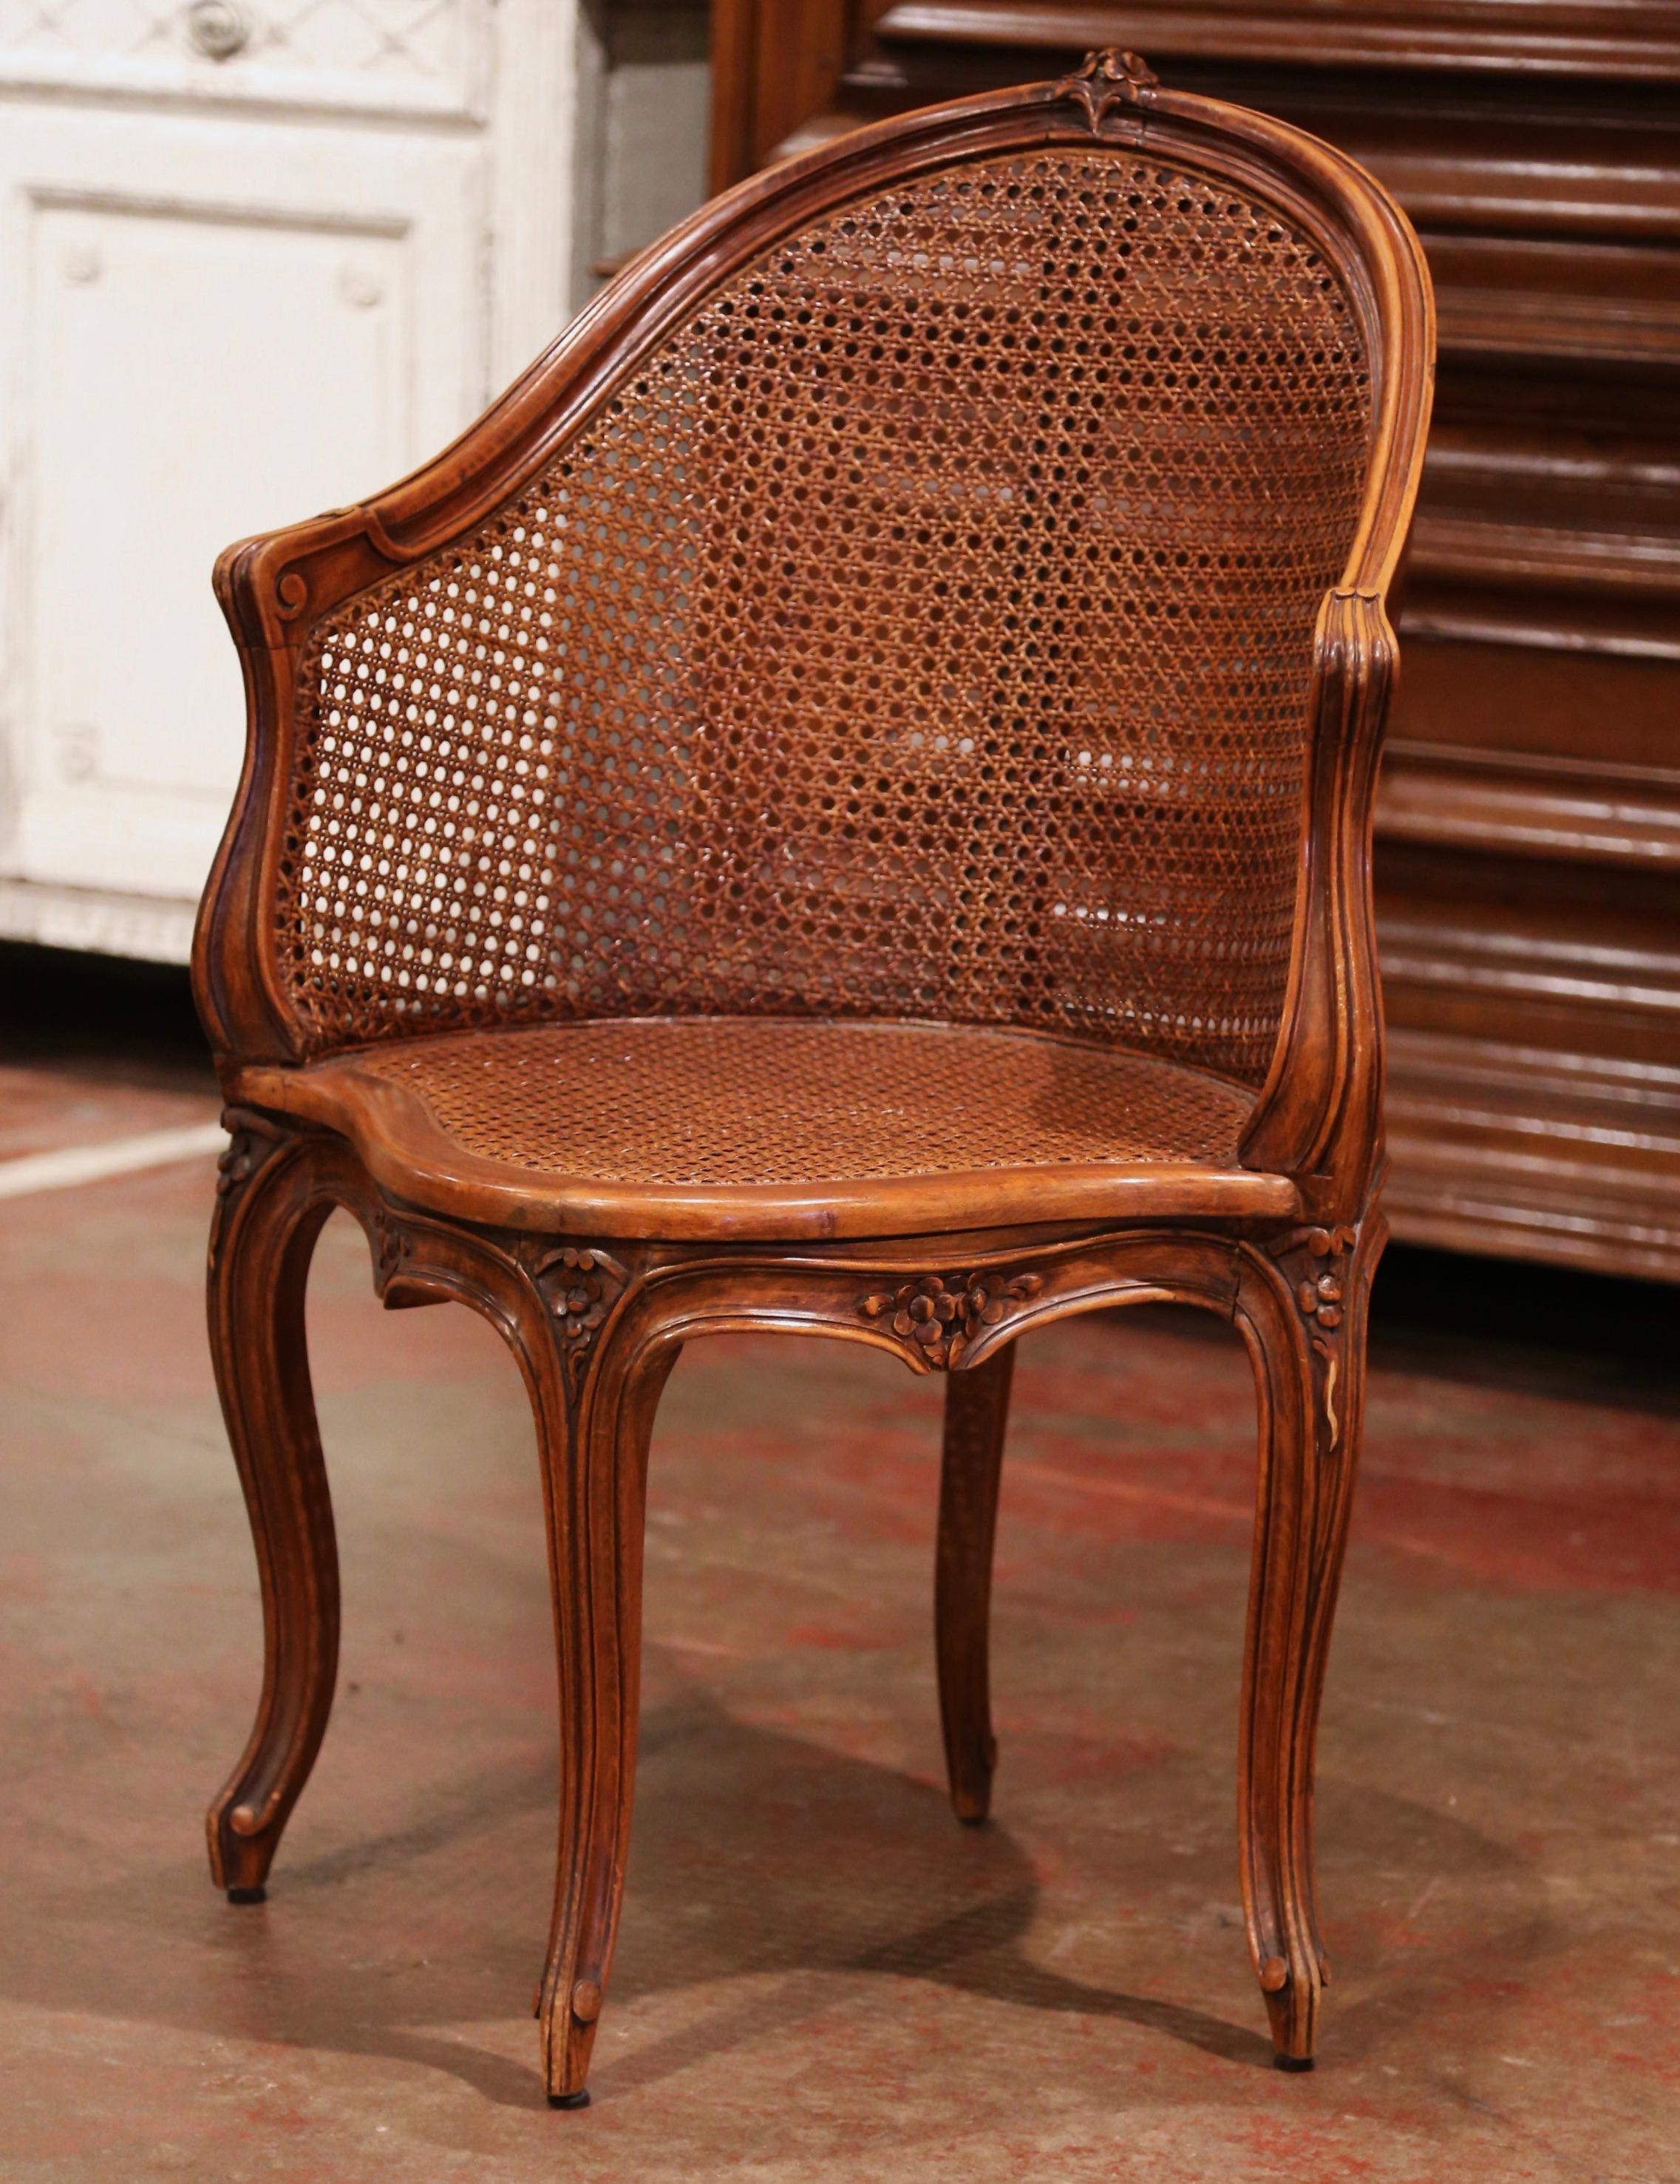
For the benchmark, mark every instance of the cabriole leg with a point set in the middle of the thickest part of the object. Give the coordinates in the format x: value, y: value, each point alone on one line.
x: 1309, y: 1347
x: 268, y: 1217
x: 976, y: 1419
x: 594, y: 1414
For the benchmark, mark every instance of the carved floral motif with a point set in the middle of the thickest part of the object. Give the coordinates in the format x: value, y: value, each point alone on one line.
x: 252, y: 1139
x: 942, y: 1317
x: 237, y: 1163
x: 580, y: 1286
x: 1320, y: 1293
x: 392, y: 1248
x: 1109, y: 79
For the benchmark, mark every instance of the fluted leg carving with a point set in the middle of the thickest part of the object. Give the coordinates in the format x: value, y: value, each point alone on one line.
x: 1308, y: 1338
x: 269, y: 1214
x: 595, y: 1399
x: 976, y: 1420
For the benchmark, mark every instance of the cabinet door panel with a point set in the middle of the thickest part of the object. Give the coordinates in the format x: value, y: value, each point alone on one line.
x: 198, y: 362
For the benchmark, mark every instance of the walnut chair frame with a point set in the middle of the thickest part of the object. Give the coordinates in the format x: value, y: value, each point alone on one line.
x: 596, y: 1282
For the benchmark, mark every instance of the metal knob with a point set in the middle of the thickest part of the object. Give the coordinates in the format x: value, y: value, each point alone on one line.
x: 218, y: 29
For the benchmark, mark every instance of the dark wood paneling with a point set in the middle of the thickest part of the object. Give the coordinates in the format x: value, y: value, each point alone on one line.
x: 1483, y: 36
x: 1529, y: 828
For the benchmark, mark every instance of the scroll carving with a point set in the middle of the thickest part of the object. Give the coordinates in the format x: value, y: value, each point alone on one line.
x: 939, y: 1316
x: 1106, y: 80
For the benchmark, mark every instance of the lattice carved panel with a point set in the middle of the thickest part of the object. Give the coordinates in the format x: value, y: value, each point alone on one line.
x: 424, y: 55
x: 925, y: 632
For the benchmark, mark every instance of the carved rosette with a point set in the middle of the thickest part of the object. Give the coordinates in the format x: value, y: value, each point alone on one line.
x: 1319, y: 1262
x: 938, y: 1316
x: 579, y: 1286
x: 1104, y: 81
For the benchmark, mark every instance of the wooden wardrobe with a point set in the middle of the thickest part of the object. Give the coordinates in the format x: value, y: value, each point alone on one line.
x: 1528, y: 861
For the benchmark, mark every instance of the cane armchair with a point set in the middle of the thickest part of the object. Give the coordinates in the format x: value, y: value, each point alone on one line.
x: 842, y: 805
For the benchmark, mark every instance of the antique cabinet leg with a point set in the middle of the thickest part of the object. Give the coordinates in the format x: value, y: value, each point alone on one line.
x: 594, y: 1414
x: 269, y: 1214
x: 976, y: 1419
x: 1308, y: 1345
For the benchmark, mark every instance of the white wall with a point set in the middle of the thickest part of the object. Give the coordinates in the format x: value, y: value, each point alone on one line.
x: 258, y: 257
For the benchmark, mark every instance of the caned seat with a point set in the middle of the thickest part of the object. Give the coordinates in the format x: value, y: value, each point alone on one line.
x: 842, y: 806
x: 756, y: 1126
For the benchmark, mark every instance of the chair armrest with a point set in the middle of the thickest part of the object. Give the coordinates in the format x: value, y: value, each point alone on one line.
x: 1318, y: 1116
x: 268, y: 588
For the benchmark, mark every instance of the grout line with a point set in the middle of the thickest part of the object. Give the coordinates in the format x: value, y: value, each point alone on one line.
x: 76, y: 1164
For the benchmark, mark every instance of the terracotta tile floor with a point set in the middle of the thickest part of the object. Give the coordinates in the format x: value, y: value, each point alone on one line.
x: 821, y: 1975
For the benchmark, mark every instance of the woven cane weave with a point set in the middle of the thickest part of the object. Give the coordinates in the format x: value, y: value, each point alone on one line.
x: 923, y: 631
x: 758, y: 1100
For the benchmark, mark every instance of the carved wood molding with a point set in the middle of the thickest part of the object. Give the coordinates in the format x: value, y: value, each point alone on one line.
x: 1319, y: 1110
x: 1105, y: 79
x: 1529, y: 805
x: 419, y: 1261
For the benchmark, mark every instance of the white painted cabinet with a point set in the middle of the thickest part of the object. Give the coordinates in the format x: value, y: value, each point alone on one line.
x: 256, y: 260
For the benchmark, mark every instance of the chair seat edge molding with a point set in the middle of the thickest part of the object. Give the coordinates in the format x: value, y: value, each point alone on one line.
x: 409, y: 1151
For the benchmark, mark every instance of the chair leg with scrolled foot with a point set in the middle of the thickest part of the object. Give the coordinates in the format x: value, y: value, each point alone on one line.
x: 976, y: 1420
x: 594, y: 1414
x: 1308, y: 1342
x: 268, y: 1217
